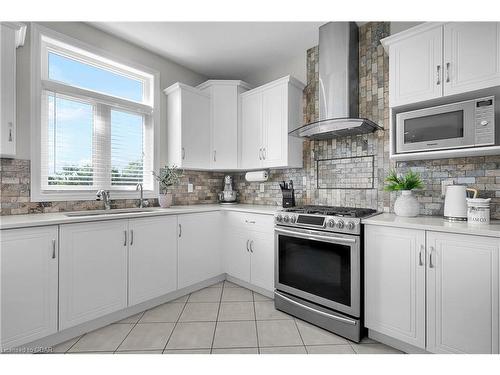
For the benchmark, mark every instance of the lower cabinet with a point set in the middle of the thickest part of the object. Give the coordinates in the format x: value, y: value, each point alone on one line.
x: 249, y: 251
x: 199, y: 250
x: 152, y: 266
x: 93, y: 270
x: 29, y: 267
x: 436, y: 291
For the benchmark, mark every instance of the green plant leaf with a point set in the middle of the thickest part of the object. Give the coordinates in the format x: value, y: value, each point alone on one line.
x: 410, y: 181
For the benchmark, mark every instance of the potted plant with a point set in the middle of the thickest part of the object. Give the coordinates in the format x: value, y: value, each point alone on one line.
x: 406, y: 204
x: 167, y: 176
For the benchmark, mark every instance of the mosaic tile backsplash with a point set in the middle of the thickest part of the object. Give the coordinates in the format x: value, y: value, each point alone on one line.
x: 482, y: 173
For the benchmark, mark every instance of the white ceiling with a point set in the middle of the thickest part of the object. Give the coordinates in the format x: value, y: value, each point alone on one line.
x: 229, y: 50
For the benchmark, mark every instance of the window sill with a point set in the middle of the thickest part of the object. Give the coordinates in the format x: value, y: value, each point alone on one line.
x: 60, y: 196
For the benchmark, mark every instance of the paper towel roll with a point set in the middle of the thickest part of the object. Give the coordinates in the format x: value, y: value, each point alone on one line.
x: 257, y: 176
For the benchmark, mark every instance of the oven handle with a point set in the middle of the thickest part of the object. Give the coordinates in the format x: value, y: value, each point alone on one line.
x: 342, y: 319
x: 315, y: 236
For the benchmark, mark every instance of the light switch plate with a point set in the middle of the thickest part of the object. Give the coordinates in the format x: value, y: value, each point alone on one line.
x: 261, y: 188
x: 190, y: 188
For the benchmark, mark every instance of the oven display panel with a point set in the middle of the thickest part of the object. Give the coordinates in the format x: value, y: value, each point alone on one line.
x: 311, y: 220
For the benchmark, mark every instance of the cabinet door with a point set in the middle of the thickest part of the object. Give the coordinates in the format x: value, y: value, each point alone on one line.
x: 415, y: 66
x: 237, y: 254
x: 471, y: 56
x: 462, y: 293
x: 199, y: 247
x: 275, y: 126
x: 195, y: 122
x: 251, y: 131
x: 224, y: 122
x: 28, y: 259
x: 262, y: 260
x: 152, y: 261
x: 92, y: 270
x: 7, y: 91
x: 395, y: 283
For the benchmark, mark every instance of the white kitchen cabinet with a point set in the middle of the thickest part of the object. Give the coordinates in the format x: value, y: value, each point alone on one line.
x: 249, y: 248
x: 395, y: 283
x: 199, y: 252
x: 29, y: 267
x: 436, y: 59
x: 152, y: 263
x: 462, y: 293
x: 188, y: 127
x: 92, y: 270
x: 11, y: 36
x: 225, y: 116
x: 415, y: 67
x: 433, y: 290
x: 269, y: 113
x: 471, y: 56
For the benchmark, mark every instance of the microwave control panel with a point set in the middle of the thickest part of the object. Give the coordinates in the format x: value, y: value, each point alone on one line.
x: 485, y: 121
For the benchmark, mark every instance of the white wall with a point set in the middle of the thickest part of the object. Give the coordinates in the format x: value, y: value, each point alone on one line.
x: 170, y: 72
x: 295, y: 66
x: 397, y: 27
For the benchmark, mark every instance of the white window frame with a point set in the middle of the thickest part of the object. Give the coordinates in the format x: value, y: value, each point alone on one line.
x: 44, y: 39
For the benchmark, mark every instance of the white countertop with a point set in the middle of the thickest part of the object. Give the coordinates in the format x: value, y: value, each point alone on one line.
x: 36, y: 220
x: 435, y: 223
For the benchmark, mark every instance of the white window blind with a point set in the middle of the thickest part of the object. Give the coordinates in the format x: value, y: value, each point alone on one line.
x: 96, y: 123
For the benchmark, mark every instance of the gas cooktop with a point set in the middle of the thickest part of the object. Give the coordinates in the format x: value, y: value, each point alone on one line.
x: 332, y: 211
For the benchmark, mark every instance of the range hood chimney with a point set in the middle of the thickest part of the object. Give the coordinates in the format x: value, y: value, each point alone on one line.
x: 338, y: 85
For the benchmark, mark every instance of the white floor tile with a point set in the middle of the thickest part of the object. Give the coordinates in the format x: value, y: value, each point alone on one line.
x: 236, y: 351
x: 278, y: 333
x: 187, y: 351
x: 131, y: 319
x: 148, y: 336
x: 331, y: 349
x: 284, y: 350
x: 200, y: 312
x: 65, y: 346
x: 236, y: 311
x: 235, y: 335
x: 312, y: 335
x: 206, y: 295
x: 237, y: 295
x: 166, y: 313
x: 104, y: 339
x: 197, y: 335
x: 260, y: 297
x: 374, y: 349
x: 264, y: 310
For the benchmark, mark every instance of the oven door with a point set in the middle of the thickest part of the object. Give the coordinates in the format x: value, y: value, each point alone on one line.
x: 443, y: 127
x: 321, y: 267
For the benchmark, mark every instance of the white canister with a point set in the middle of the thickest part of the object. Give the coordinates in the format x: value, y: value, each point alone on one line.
x: 478, y: 210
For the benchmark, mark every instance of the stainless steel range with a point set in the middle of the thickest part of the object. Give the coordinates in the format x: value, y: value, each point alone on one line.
x: 319, y: 257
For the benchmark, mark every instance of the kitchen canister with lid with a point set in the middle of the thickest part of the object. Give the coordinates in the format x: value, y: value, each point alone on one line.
x: 478, y: 210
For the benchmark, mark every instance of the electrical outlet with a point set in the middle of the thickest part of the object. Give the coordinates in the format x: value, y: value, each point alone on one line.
x: 190, y: 188
x: 262, y: 188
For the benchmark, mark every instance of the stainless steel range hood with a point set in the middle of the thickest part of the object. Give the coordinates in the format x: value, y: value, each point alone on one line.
x: 338, y: 85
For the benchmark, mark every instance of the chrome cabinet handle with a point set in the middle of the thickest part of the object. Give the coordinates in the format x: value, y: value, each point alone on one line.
x: 260, y: 153
x: 438, y: 71
x: 53, y: 249
x: 131, y: 237
x: 125, y: 239
x: 420, y: 261
x: 10, y: 131
x: 247, y: 245
x: 431, y: 263
x: 251, y: 246
x: 263, y: 153
x: 180, y: 230
x: 215, y: 155
x: 447, y: 72
x: 183, y: 153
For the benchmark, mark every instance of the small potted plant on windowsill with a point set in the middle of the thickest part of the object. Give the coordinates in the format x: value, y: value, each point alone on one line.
x: 406, y: 204
x: 167, y: 177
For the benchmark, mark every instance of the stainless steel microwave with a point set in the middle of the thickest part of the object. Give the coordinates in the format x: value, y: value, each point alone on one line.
x: 465, y: 124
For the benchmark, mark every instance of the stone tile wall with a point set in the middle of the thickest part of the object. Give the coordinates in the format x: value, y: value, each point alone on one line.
x: 480, y: 172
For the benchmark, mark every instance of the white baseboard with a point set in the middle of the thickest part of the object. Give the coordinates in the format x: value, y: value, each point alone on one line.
x: 244, y: 284
x: 395, y: 343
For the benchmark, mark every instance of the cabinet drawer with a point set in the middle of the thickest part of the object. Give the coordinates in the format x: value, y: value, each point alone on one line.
x: 248, y: 221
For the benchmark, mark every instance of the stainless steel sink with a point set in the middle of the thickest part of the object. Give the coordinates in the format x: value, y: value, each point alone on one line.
x: 110, y: 212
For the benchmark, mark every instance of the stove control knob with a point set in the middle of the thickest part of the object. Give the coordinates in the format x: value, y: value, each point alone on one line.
x: 340, y: 224
x: 292, y: 219
x: 279, y: 218
x: 331, y: 223
x: 351, y: 225
x: 286, y: 219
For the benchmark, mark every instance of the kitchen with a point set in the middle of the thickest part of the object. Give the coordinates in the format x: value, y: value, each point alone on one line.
x: 272, y: 222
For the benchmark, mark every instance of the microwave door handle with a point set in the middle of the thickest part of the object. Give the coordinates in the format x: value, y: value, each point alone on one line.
x: 315, y: 236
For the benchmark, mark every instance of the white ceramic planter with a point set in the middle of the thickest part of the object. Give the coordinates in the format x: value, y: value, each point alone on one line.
x: 406, y: 204
x: 165, y: 200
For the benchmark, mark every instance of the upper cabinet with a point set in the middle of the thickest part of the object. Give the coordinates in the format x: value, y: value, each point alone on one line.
x: 433, y: 60
x: 222, y: 125
x: 11, y: 36
x: 224, y: 121
x: 188, y: 127
x: 268, y: 114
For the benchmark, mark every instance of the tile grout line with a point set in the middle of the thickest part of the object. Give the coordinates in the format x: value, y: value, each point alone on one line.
x: 175, y: 324
x: 217, y: 317
x: 138, y: 320
x: 300, y: 335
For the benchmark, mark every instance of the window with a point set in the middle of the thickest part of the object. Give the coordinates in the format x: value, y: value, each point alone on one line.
x: 96, y: 127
